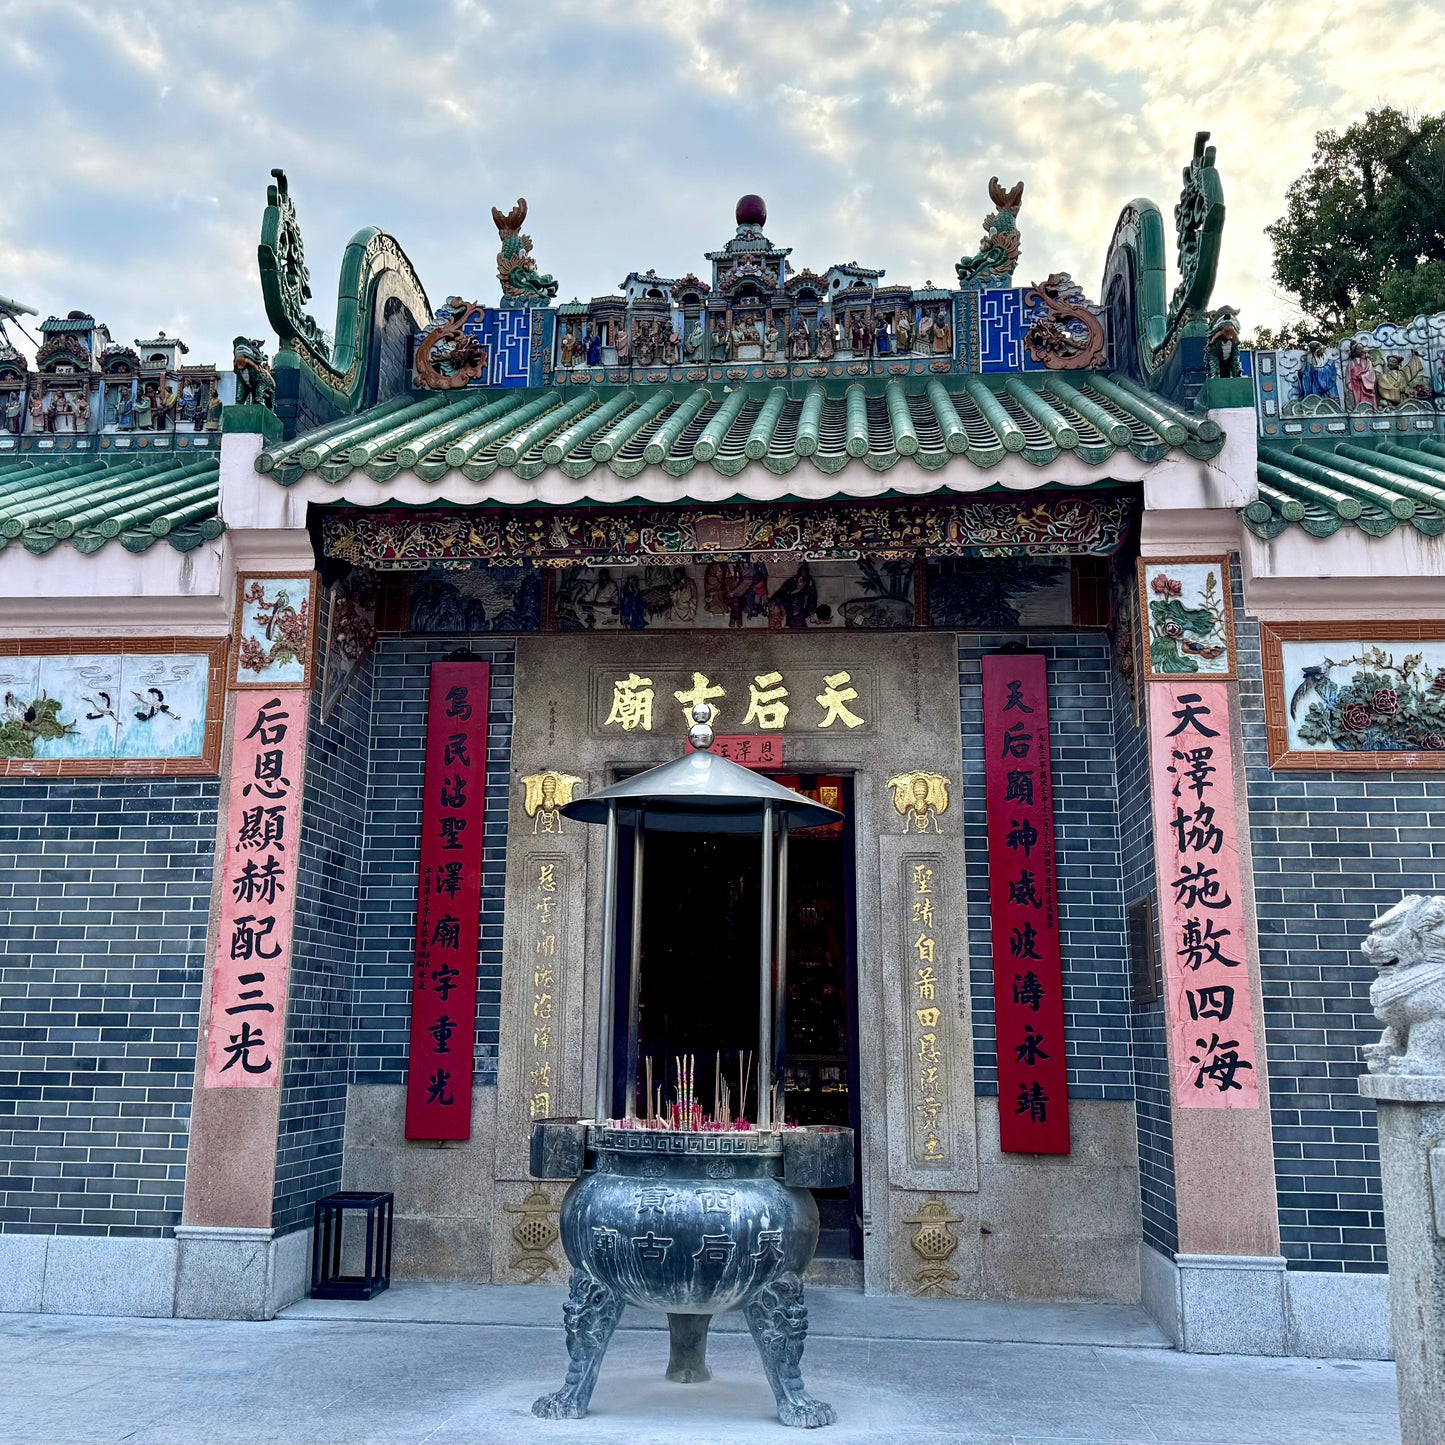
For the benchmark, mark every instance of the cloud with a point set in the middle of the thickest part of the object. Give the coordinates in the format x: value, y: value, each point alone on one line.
x: 870, y: 126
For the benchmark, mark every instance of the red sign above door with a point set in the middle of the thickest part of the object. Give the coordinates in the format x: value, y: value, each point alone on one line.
x: 759, y: 751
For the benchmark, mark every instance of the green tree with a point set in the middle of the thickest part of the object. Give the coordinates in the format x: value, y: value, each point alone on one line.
x: 1361, y: 224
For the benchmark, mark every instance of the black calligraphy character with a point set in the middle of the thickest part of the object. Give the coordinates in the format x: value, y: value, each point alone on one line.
x: 1203, y: 945
x: 1219, y: 1064
x: 246, y: 1006
x: 1189, y: 717
x: 455, y: 751
x: 270, y: 726
x: 716, y: 1249
x: 1021, y: 890
x: 452, y: 830
x: 454, y: 792
x: 1016, y: 742
x: 442, y: 1031
x: 1199, y: 887
x: 1197, y: 772
x: 457, y: 704
x: 246, y: 941
x: 240, y: 1050
x: 258, y: 885
x: 436, y: 1089
x: 744, y: 748
x: 261, y: 827
x: 1199, y: 834
x: 268, y: 772
x: 1028, y: 991
x: 449, y: 878
x: 1032, y: 1048
x: 444, y: 979
x: 1020, y: 789
x: 770, y: 1245
x: 1023, y: 835
x: 1033, y: 1101
x: 448, y: 932
x: 1215, y: 1002
x: 1021, y: 942
x: 1015, y: 700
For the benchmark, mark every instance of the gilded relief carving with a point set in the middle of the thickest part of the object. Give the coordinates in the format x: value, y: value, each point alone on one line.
x: 920, y: 798
x: 934, y: 1243
x: 547, y: 794
x: 534, y: 1233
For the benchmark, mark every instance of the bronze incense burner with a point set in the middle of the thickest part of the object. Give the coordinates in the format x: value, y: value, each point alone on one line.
x: 692, y: 1222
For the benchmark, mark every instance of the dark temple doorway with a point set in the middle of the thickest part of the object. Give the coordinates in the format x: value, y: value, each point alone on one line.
x: 699, y: 994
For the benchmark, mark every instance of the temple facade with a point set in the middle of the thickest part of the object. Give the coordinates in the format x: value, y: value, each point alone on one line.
x: 1120, y: 651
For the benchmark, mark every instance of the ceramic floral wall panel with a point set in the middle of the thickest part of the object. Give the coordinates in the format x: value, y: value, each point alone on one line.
x: 1358, y: 696
x: 275, y: 630
x: 1188, y: 617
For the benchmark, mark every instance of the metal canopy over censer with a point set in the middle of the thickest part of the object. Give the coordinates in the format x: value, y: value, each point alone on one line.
x: 692, y: 1221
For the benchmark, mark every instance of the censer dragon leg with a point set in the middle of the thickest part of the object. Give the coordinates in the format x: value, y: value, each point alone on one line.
x: 778, y: 1320
x: 590, y: 1316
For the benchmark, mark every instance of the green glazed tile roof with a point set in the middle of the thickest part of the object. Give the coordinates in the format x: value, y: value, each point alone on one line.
x: 1325, y: 485
x: 676, y: 428
x: 89, y: 501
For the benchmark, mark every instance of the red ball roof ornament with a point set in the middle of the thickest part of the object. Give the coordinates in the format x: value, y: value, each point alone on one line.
x: 752, y: 211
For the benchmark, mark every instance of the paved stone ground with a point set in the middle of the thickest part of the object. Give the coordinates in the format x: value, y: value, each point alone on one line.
x: 897, y: 1371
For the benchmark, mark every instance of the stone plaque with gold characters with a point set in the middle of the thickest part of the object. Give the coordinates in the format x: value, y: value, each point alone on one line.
x: 816, y: 697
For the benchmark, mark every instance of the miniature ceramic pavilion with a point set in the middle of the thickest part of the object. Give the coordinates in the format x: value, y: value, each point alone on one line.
x: 1120, y: 652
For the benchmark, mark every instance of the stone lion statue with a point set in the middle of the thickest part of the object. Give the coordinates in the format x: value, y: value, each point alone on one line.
x: 1407, y: 945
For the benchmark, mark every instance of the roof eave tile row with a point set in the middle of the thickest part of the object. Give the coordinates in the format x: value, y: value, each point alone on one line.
x: 1321, y: 486
x: 679, y: 428
x: 88, y: 502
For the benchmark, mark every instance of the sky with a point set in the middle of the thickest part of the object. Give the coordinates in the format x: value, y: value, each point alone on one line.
x: 140, y: 137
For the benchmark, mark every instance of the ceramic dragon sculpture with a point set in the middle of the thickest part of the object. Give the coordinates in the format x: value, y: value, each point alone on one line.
x: 375, y: 274
x: 1134, y: 269
x: 998, y: 251
x: 515, y: 269
x: 446, y: 357
x: 1069, y: 336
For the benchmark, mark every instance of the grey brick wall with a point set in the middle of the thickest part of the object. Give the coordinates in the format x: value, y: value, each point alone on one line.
x: 1147, y: 1029
x: 1091, y: 902
x: 328, y: 896
x: 387, y: 925
x: 1331, y: 852
x: 105, y: 890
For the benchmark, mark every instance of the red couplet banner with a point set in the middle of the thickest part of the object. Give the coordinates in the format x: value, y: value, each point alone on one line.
x: 258, y: 892
x: 1028, y: 983
x: 1201, y: 903
x: 449, y: 904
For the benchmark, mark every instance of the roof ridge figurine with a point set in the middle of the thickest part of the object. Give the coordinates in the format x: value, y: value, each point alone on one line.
x: 522, y: 283
x: 998, y: 251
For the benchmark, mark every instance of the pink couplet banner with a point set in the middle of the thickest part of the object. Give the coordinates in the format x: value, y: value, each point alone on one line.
x: 258, y: 895
x: 1201, y: 910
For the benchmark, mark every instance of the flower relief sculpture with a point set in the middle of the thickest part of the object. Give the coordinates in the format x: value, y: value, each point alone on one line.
x: 1187, y: 635
x: 1407, y: 945
x: 998, y: 251
x: 1377, y: 705
x: 522, y: 283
